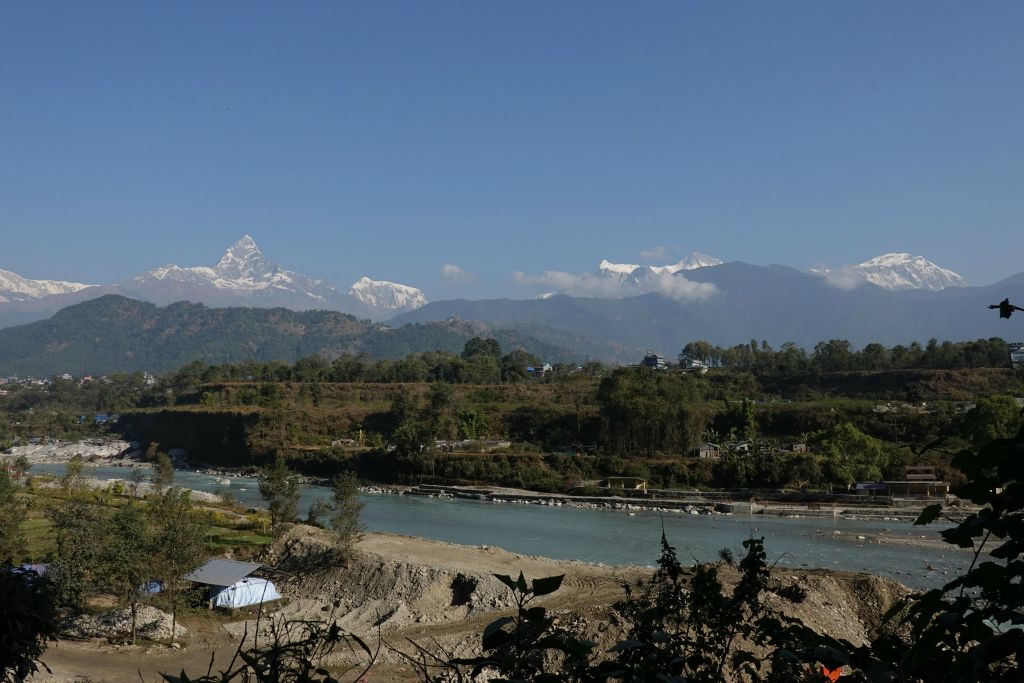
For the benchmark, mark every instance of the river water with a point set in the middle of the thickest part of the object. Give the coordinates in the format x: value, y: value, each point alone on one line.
x: 616, y: 537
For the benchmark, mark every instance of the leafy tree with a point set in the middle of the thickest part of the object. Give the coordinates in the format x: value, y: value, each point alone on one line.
x: 79, y: 531
x: 12, y: 512
x: 513, y: 365
x: 136, y: 477
x: 996, y: 417
x: 856, y: 455
x: 73, y: 479
x: 125, y: 561
x: 280, y: 488
x: 179, y: 535
x: 163, y: 473
x: 27, y: 622
x: 478, y: 346
x: 22, y: 465
x: 969, y: 630
x: 344, y: 510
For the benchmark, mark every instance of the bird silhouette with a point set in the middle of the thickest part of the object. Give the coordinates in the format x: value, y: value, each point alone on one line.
x: 1006, y: 309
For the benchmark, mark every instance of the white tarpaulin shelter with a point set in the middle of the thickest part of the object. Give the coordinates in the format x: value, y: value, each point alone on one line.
x: 231, y: 584
x: 248, y: 591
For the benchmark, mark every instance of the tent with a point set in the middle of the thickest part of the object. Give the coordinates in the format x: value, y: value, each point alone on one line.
x: 231, y: 584
x: 247, y: 591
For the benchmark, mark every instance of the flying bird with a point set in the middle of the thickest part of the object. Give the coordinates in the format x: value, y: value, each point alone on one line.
x: 1006, y: 309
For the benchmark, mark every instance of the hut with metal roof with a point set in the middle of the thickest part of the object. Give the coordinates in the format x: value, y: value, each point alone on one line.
x: 232, y: 584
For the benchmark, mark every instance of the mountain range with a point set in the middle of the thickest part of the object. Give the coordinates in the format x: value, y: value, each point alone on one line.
x: 242, y: 277
x: 774, y: 303
x: 612, y: 313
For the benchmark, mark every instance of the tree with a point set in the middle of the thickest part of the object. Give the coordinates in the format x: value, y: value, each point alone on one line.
x: 79, y: 531
x: 478, y: 346
x: 851, y: 452
x: 179, y: 533
x: 125, y: 562
x: 22, y: 465
x: 280, y: 487
x: 345, y: 506
x: 163, y: 473
x: 996, y: 417
x: 74, y: 478
x: 12, y: 512
x: 27, y: 622
x: 136, y: 477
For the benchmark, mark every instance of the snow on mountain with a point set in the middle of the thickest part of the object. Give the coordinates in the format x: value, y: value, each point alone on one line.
x: 14, y: 287
x: 692, y: 262
x: 617, y: 270
x: 242, y: 271
x: 906, y: 271
x: 621, y: 271
x: 636, y: 273
x: 894, y: 271
x: 381, y: 295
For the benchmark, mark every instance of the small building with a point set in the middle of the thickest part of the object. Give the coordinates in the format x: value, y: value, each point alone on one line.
x: 870, y: 488
x: 795, y: 447
x: 625, y: 483
x: 709, y: 451
x: 740, y: 447
x: 654, y: 361
x: 692, y: 365
x: 232, y: 585
x: 1017, y: 354
x: 919, y: 480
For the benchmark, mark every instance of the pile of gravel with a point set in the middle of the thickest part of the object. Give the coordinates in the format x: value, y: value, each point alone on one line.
x: 150, y: 624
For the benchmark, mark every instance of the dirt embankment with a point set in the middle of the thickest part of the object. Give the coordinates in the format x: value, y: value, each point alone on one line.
x: 442, y: 596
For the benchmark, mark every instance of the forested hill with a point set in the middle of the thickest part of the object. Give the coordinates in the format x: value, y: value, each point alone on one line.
x: 117, y: 334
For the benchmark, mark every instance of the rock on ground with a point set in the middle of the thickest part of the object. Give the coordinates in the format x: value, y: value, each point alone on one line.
x: 150, y: 624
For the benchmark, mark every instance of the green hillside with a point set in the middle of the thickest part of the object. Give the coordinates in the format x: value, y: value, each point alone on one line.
x: 117, y: 334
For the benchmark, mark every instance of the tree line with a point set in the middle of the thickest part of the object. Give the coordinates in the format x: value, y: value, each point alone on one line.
x: 839, y: 355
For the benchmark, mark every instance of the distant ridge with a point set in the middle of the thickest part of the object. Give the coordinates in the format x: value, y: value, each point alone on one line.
x: 116, y: 334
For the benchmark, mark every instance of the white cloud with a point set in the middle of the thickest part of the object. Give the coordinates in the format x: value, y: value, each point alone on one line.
x: 589, y: 284
x: 659, y: 253
x: 456, y: 275
x: 845, y: 278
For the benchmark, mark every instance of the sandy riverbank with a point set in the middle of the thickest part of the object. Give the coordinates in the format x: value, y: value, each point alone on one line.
x: 440, y: 594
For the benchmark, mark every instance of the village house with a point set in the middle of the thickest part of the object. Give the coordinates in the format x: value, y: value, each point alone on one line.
x: 654, y: 361
x: 709, y: 451
x: 919, y: 480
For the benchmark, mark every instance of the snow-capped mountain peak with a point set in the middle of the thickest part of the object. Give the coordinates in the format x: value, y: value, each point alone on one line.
x: 607, y: 266
x: 621, y: 271
x: 381, y: 294
x: 692, y: 262
x: 244, y: 259
x: 906, y: 271
x: 14, y: 287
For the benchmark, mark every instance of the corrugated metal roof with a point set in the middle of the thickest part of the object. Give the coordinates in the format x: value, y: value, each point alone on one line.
x: 221, y: 572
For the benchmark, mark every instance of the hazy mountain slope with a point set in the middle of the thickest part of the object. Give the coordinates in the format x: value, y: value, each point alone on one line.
x: 775, y: 303
x: 114, y: 333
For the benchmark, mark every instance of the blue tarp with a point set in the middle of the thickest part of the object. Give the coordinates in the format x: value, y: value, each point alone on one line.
x: 247, y: 591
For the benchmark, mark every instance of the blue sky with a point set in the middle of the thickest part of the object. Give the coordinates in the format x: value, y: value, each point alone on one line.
x: 387, y: 139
